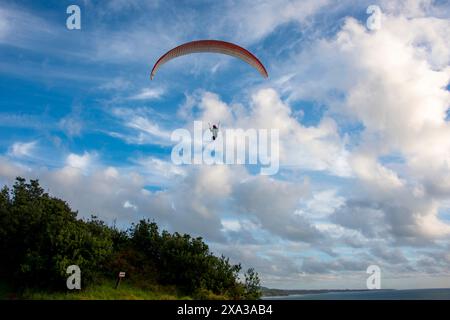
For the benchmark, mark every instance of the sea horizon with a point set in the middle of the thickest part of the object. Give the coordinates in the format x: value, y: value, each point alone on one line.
x: 366, y: 294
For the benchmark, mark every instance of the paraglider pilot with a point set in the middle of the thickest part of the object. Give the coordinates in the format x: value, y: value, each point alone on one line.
x: 214, y: 130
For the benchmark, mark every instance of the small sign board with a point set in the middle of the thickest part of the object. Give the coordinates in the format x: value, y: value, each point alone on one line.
x: 120, y: 276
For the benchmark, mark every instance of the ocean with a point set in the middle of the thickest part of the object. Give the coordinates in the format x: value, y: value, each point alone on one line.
x: 416, y: 294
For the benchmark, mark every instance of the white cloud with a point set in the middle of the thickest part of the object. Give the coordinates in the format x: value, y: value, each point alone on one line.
x: 115, y: 84
x: 145, y: 124
x: 72, y: 126
x: 314, y: 148
x: 19, y: 27
x: 319, y: 148
x: 128, y: 205
x: 274, y: 203
x: 392, y: 83
x: 231, y: 225
x: 4, y: 25
x: 321, y: 204
x: 149, y: 94
x: 250, y: 21
x: 10, y: 170
x: 79, y: 161
x: 369, y: 170
x: 22, y: 149
x: 158, y: 172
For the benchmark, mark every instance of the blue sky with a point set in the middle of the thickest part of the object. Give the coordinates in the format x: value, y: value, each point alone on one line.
x: 362, y: 115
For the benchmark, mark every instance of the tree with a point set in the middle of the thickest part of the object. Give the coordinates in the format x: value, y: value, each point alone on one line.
x: 41, y: 236
x: 252, y: 285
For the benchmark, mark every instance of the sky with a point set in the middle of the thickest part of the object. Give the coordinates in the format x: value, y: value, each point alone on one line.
x: 362, y: 115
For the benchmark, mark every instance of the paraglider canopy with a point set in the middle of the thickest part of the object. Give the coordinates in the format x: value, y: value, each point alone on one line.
x: 215, y: 46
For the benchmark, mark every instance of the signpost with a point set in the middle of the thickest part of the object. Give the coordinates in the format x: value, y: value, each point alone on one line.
x: 119, y: 277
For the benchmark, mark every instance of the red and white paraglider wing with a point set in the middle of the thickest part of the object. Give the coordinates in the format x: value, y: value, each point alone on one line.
x: 214, y: 46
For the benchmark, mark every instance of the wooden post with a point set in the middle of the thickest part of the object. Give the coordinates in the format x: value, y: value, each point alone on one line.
x: 119, y: 277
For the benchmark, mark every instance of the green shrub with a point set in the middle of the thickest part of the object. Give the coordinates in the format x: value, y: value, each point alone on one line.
x: 41, y: 236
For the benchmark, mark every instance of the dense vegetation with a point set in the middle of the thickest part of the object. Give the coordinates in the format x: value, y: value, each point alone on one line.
x: 40, y: 236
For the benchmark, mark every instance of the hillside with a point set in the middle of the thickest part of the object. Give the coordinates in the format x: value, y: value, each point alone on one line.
x: 42, y: 237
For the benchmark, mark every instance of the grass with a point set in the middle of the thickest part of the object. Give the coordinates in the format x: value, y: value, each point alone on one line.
x: 105, y: 291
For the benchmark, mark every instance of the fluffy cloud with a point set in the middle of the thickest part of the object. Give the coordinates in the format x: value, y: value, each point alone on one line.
x: 274, y: 204
x: 319, y: 148
x: 393, y: 84
x: 22, y: 149
x: 81, y: 162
